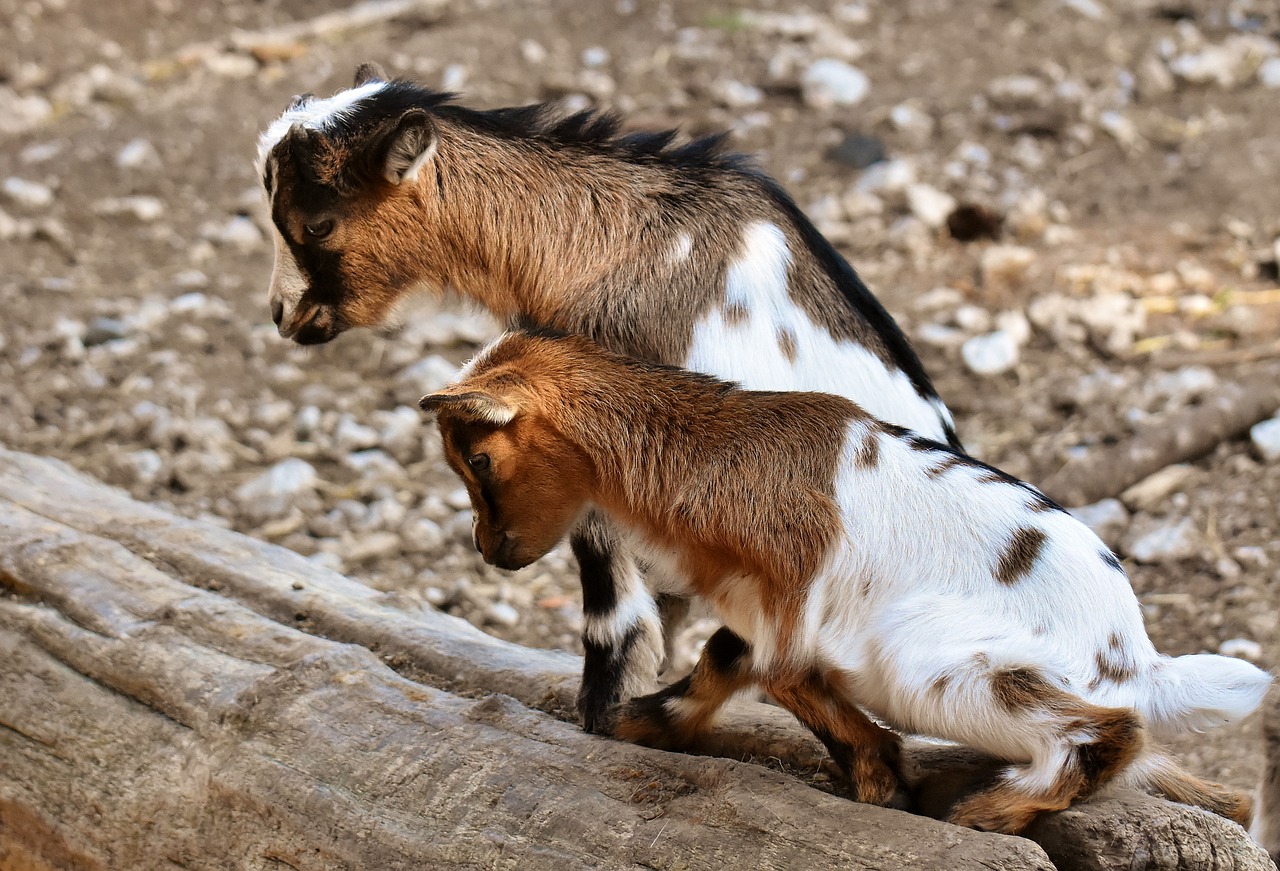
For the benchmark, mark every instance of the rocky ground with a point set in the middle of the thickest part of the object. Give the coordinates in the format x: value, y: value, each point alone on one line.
x: 1070, y: 204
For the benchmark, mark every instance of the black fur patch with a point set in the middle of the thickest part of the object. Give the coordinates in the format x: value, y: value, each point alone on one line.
x: 595, y: 568
x: 992, y: 475
x: 1111, y: 559
x: 724, y: 649
x: 603, y: 669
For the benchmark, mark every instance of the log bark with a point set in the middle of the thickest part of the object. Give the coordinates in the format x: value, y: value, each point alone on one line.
x: 175, y: 695
x: 1185, y: 436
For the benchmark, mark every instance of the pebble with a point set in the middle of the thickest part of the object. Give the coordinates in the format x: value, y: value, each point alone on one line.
x: 1265, y: 437
x: 829, y: 82
x: 145, y: 209
x: 350, y: 435
x: 101, y: 330
x: 888, y: 177
x: 400, y: 431
x: 1108, y: 518
x: 501, y: 614
x: 145, y: 465
x: 422, y: 535
x: 370, y: 546
x: 24, y: 192
x: 1005, y: 264
x: 533, y: 51
x: 1018, y: 92
x: 1241, y: 648
x: 426, y: 376
x: 736, y: 94
x: 990, y: 354
x: 1269, y: 73
x: 138, y: 154
x: 240, y: 233
x: 1151, y: 492
x: 22, y: 113
x: 288, y: 484
x: 930, y: 205
x: 1154, y: 542
x: 858, y: 151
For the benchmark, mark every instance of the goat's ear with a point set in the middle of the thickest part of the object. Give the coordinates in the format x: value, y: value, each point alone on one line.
x: 475, y: 404
x: 369, y: 72
x: 409, y: 147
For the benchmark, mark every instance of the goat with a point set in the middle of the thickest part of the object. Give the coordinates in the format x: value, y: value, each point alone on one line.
x: 676, y: 254
x: 1266, y: 829
x: 853, y: 562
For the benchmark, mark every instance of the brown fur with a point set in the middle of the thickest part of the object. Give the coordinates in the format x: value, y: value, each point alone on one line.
x: 1167, y: 778
x: 575, y: 440
x: 1269, y: 789
x: 787, y: 344
x: 1117, y: 737
x: 1020, y: 555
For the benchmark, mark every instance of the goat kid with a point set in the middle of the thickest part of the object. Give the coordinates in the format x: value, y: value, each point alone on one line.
x: 853, y: 562
x: 677, y: 254
x: 1266, y: 829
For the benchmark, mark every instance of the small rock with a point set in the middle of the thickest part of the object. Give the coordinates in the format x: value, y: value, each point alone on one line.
x: 1241, y: 648
x: 929, y: 204
x: 1269, y: 73
x: 829, y: 82
x: 145, y: 209
x: 1018, y: 92
x: 1265, y: 437
x: 888, y: 177
x: 1005, y: 264
x: 102, y: 330
x: 973, y: 318
x: 972, y: 221
x: 1014, y: 323
x: 370, y: 546
x: 736, y: 94
x: 31, y: 194
x: 400, y: 431
x: 22, y: 114
x: 145, y: 465
x: 860, y: 204
x: 532, y: 51
x: 288, y: 484
x: 230, y: 65
x: 1154, y: 542
x: 240, y: 233
x: 1149, y: 493
x: 501, y: 614
x: 858, y: 151
x: 138, y: 154
x: 912, y: 121
x: 350, y: 435
x: 990, y: 354
x: 595, y: 56
x: 1090, y: 9
x: 1108, y: 518
x: 422, y: 535
x: 426, y: 376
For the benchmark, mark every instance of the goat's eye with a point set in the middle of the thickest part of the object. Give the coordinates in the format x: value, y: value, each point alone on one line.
x: 319, y: 229
x: 478, y: 462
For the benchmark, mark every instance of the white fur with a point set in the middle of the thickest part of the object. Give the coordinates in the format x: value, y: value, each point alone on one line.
x: 926, y: 547
x: 749, y: 351
x: 314, y: 114
x: 682, y: 248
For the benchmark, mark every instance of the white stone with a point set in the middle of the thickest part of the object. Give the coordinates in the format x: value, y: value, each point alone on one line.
x: 990, y: 354
x: 1151, y: 492
x: 502, y: 614
x: 1088, y: 8
x: 829, y: 82
x: 422, y: 535
x: 1265, y: 437
x: 1163, y: 541
x: 533, y: 51
x: 940, y: 335
x: 1241, y: 648
x: 929, y: 204
x: 1106, y: 517
x: 1014, y: 323
x: 241, y: 233
x: 736, y: 94
x: 230, y: 65
x: 138, y: 154
x: 31, y: 194
x: 1269, y: 73
x: 288, y: 484
x: 426, y: 376
x: 1005, y: 264
x: 1121, y: 127
x: 145, y: 209
x: 886, y: 177
x: 595, y: 56
x: 22, y: 113
x: 400, y: 431
x: 145, y: 465
x: 350, y: 435
x: 973, y: 318
x: 1018, y: 91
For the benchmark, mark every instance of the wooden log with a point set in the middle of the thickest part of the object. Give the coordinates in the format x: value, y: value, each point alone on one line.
x: 1185, y: 436
x: 173, y: 694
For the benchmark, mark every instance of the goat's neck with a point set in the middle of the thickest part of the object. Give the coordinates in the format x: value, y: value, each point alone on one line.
x: 526, y: 233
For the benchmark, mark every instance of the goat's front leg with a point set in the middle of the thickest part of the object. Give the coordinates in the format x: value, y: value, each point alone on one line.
x: 672, y: 718
x: 622, y: 631
x: 866, y: 753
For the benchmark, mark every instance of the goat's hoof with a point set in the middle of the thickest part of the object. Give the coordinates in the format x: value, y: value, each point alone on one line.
x: 598, y: 711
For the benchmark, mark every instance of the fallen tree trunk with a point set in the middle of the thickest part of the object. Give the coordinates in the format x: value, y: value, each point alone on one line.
x: 176, y: 695
x: 1185, y: 436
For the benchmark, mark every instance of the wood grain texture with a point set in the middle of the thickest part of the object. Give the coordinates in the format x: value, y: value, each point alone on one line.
x: 174, y: 695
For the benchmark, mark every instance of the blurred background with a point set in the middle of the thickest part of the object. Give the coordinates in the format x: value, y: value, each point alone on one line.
x: 1070, y: 205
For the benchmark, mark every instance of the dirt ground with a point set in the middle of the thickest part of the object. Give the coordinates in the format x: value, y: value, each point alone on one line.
x: 1130, y: 149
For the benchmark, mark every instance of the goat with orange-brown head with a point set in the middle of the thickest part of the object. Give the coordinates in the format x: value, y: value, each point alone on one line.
x: 854, y: 563
x: 676, y: 253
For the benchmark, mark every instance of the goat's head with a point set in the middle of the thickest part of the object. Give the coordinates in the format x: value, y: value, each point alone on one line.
x: 528, y: 484
x: 340, y: 178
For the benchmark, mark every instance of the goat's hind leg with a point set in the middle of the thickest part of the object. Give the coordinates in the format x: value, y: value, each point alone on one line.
x: 866, y: 753
x: 672, y: 718
x: 1076, y: 747
x: 622, y: 631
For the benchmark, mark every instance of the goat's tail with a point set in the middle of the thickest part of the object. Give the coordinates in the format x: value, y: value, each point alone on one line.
x: 1192, y: 693
x: 1266, y: 828
x: 1156, y: 772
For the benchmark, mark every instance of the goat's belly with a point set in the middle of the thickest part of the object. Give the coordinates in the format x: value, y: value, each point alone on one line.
x: 781, y: 349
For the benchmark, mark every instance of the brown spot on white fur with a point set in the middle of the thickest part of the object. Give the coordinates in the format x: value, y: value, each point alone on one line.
x: 787, y: 344
x: 735, y: 314
x: 1020, y: 555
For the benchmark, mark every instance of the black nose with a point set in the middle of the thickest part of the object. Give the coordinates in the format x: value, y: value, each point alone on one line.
x: 277, y: 312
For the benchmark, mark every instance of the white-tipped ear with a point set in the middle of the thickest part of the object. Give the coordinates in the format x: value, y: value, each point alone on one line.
x: 474, y: 404
x: 410, y: 147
